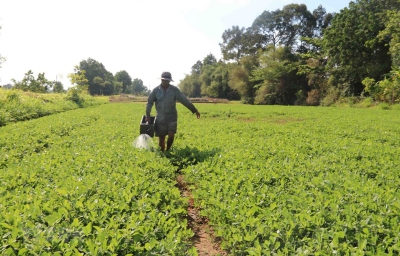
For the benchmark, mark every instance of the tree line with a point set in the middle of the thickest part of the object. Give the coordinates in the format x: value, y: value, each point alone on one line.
x: 292, y: 56
x: 90, y: 75
x: 93, y: 76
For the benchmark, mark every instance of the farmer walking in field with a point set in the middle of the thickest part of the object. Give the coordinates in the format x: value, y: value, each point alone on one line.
x: 165, y: 96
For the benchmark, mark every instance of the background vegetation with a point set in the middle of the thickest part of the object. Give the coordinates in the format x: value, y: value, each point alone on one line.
x: 292, y: 56
x: 17, y: 105
x: 289, y: 56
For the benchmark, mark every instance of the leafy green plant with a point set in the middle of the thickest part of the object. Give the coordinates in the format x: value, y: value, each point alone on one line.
x: 270, y: 180
x: 86, y: 194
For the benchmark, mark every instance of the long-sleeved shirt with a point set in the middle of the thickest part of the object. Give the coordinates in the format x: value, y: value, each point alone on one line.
x: 165, y: 101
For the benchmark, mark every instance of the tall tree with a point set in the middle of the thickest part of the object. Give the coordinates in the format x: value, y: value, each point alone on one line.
x: 353, y: 48
x: 126, y: 80
x: 118, y: 87
x: 278, y: 77
x: 196, y: 68
x: 283, y: 27
x: 240, y: 78
x: 209, y: 60
x: 392, y: 32
x: 138, y: 87
x: 313, y: 66
x: 207, y: 68
x: 94, y: 69
x: 322, y: 21
x: 58, y: 87
x: 233, y: 43
x: 29, y: 83
x: 206, y: 78
x: 79, y: 79
x: 190, y: 85
x: 219, y: 87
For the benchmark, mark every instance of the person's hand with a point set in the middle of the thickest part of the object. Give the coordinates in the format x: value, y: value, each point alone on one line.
x: 147, y: 119
x: 198, y: 114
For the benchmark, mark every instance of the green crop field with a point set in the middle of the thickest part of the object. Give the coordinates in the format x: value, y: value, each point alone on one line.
x: 271, y: 180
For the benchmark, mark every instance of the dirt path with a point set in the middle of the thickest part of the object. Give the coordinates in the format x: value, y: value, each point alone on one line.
x: 203, y: 238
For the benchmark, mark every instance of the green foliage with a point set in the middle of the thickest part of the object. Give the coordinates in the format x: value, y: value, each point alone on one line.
x: 278, y: 76
x: 73, y: 95
x: 17, y: 105
x: 384, y: 106
x: 58, y: 87
x: 282, y: 27
x: 209, y: 78
x: 100, y: 80
x: 138, y: 87
x: 118, y: 87
x: 365, y: 103
x: 190, y: 85
x: 272, y: 187
x: 353, y: 48
x: 331, y: 97
x: 279, y: 81
x: 30, y: 84
x: 233, y: 42
x: 78, y: 78
x: 219, y: 87
x: 126, y: 80
x: 240, y: 78
x: 392, y: 31
x: 73, y: 184
x: 387, y: 90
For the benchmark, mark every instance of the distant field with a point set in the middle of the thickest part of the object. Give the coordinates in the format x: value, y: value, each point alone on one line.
x: 270, y: 180
x: 132, y: 98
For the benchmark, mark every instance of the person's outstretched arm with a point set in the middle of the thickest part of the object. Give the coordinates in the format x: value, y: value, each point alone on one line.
x: 186, y: 102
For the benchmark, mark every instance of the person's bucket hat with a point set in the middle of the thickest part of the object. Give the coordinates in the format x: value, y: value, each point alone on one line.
x: 166, y: 76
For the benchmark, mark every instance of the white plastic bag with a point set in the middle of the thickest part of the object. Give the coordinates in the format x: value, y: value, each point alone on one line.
x: 144, y: 141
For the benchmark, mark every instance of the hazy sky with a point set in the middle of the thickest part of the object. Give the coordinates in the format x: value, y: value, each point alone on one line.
x: 143, y: 37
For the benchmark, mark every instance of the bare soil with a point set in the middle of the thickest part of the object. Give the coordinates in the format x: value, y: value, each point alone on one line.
x: 203, y: 240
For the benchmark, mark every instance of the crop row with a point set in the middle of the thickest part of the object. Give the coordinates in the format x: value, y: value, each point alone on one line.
x: 298, y: 180
x: 72, y: 183
x: 270, y: 179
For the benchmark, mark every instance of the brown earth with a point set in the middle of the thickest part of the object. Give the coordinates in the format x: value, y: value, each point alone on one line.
x: 203, y: 240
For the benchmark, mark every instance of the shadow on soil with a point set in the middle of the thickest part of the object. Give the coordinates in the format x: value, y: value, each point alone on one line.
x: 183, y: 157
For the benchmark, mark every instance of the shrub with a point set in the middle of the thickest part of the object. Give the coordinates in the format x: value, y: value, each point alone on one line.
x: 313, y: 97
x: 73, y: 95
x: 4, y: 117
x: 300, y: 98
x: 366, y: 102
x: 384, y: 106
x: 16, y: 105
x: 12, y: 96
x: 331, y: 97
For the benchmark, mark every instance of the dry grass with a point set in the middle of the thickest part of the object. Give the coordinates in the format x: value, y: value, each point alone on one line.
x: 126, y: 98
x: 208, y: 100
x: 131, y: 98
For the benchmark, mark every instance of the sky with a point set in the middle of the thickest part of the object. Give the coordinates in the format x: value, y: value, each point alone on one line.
x: 142, y: 37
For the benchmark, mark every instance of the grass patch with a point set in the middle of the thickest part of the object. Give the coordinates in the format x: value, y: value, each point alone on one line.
x: 16, y: 105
